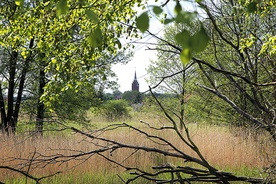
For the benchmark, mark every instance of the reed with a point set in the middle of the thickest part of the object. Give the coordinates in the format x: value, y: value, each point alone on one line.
x: 223, y: 149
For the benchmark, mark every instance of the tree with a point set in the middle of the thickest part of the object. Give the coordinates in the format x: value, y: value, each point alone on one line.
x: 69, y: 47
x: 74, y: 104
x: 132, y: 97
x: 233, y: 60
x: 168, y: 74
x: 14, y: 66
x: 235, y: 57
x: 117, y: 94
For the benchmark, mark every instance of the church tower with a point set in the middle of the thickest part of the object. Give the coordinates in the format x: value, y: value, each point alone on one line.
x: 135, y: 84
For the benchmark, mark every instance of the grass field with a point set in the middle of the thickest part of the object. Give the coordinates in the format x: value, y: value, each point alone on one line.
x: 228, y: 150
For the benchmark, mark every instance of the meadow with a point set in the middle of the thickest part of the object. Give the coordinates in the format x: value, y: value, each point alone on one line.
x: 227, y: 149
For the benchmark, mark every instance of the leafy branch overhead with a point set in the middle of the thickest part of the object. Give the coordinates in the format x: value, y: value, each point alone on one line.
x: 72, y: 37
x: 191, y: 44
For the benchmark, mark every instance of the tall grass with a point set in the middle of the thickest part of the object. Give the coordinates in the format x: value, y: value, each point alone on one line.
x: 224, y: 150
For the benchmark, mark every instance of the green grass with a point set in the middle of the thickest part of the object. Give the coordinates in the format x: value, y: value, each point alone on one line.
x: 111, y: 178
x: 79, y: 178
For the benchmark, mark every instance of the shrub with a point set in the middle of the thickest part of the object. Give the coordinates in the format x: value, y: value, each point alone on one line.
x: 114, y: 110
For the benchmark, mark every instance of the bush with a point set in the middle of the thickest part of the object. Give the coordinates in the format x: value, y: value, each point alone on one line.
x: 114, y: 110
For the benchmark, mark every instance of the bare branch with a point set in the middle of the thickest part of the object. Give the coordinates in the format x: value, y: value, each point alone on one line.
x: 233, y: 74
x: 169, y: 76
x: 254, y: 120
x: 37, y: 180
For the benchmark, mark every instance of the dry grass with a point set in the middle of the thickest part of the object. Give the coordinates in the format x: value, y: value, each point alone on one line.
x: 218, y: 145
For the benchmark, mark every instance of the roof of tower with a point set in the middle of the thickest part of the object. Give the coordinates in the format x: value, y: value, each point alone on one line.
x: 135, y: 83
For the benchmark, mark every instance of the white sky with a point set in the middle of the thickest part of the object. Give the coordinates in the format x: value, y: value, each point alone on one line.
x: 142, y: 57
x: 139, y: 62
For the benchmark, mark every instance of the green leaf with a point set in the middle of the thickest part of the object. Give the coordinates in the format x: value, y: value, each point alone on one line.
x: 185, y: 56
x: 183, y: 39
x: 185, y: 17
x: 167, y: 21
x: 19, y: 2
x: 95, y: 38
x: 177, y: 8
x: 157, y: 10
x: 142, y: 22
x: 252, y: 7
x: 62, y: 7
x: 81, y: 3
x: 200, y: 40
x: 92, y: 16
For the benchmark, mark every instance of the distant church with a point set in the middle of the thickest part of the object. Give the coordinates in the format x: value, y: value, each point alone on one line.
x: 135, y: 84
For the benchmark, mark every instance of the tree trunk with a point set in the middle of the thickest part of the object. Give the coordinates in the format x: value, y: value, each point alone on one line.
x: 40, y: 105
x: 22, y: 82
x: 10, y: 116
x: 2, y: 109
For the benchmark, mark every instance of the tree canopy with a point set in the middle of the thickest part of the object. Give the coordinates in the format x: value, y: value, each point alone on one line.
x: 63, y: 45
x: 232, y: 62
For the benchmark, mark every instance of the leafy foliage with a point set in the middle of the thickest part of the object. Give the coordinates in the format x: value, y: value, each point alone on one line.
x: 73, y: 106
x: 132, y: 97
x: 114, y: 110
x: 59, y: 46
x: 142, y: 22
x: 191, y: 44
x: 72, y: 41
x: 236, y: 66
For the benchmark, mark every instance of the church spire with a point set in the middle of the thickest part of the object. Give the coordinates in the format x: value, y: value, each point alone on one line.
x: 135, y: 78
x: 135, y: 84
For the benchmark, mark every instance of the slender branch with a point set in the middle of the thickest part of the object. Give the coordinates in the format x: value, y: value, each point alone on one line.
x: 37, y: 180
x: 165, y: 41
x: 233, y: 74
x: 164, y: 4
x: 169, y: 76
x: 226, y: 99
x: 216, y: 26
x: 29, y: 167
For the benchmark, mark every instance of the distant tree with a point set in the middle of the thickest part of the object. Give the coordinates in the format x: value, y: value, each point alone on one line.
x: 108, y: 96
x: 74, y: 106
x: 117, y: 94
x: 168, y: 75
x: 132, y: 97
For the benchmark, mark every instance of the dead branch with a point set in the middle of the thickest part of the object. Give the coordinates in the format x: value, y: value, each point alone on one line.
x: 26, y: 174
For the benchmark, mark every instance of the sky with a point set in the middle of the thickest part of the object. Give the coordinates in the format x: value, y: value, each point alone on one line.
x: 142, y: 56
x: 139, y: 62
